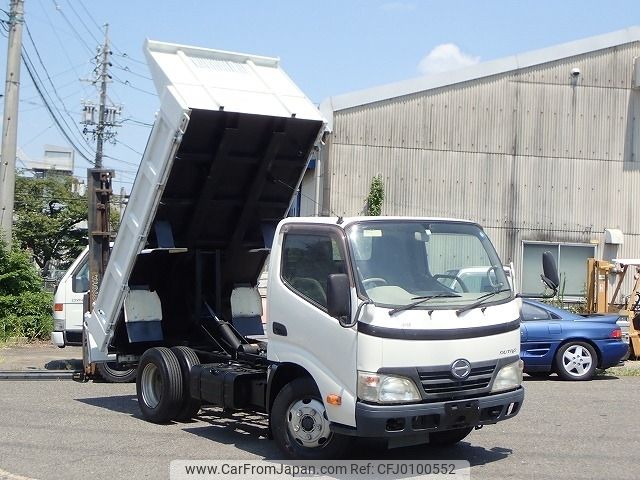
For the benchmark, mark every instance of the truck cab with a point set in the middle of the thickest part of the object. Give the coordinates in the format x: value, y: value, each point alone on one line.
x: 405, y: 354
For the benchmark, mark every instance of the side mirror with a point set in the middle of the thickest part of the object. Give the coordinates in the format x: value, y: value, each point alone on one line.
x: 339, y: 298
x: 550, y: 275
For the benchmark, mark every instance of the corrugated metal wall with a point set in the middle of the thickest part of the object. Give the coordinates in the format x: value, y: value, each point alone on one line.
x: 533, y: 154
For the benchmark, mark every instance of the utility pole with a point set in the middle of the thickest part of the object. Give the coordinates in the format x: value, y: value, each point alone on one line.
x: 99, y: 179
x: 10, y: 120
x: 104, y: 75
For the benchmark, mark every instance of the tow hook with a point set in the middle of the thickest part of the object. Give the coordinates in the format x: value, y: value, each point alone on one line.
x: 478, y: 427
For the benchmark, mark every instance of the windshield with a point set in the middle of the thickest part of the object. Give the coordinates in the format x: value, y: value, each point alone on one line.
x: 426, y: 265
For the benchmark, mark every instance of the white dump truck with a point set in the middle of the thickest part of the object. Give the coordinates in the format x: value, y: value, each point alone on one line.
x: 363, y: 336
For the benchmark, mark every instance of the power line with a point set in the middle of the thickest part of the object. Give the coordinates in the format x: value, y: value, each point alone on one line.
x: 82, y: 22
x: 55, y: 90
x: 39, y: 84
x: 121, y: 161
x: 50, y: 110
x: 138, y: 123
x: 129, y: 147
x: 62, y: 45
x: 128, y: 70
x: 73, y: 28
x: 129, y: 84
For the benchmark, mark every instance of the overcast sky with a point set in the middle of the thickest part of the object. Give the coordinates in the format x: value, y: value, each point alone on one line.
x: 328, y: 47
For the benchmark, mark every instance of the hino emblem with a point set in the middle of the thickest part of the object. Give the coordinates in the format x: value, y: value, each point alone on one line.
x: 460, y: 369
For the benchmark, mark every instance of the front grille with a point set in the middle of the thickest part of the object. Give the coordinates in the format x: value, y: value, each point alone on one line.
x: 441, y: 383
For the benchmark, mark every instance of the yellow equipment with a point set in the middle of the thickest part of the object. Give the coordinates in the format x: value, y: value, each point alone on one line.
x: 599, y: 272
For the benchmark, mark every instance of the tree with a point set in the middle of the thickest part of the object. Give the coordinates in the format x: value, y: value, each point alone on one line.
x: 47, y: 214
x: 17, y: 274
x: 376, y: 196
x: 25, y: 309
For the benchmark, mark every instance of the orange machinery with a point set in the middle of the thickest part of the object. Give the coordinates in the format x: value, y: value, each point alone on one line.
x: 599, y: 274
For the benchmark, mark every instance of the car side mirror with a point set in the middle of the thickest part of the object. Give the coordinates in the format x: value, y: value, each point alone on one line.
x: 339, y: 298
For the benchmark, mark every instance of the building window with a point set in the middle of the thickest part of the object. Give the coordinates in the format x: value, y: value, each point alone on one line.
x: 572, y: 266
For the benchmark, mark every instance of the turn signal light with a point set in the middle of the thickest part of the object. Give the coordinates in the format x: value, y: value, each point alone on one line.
x: 333, y: 399
x: 58, y: 307
x: 617, y: 333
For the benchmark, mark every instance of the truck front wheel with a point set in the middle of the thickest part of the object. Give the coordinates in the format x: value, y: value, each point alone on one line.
x: 300, y: 426
x: 159, y: 385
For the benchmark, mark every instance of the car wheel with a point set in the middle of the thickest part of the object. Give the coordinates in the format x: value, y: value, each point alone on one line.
x: 300, y: 426
x: 576, y: 361
x: 159, y: 385
x: 190, y: 407
x: 448, y: 437
x: 112, y: 373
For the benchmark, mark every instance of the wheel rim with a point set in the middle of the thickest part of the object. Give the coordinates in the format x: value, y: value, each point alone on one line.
x: 151, y: 383
x: 577, y: 361
x: 307, y: 424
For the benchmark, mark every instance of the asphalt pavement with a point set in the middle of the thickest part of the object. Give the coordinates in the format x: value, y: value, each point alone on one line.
x: 69, y: 430
x: 33, y: 356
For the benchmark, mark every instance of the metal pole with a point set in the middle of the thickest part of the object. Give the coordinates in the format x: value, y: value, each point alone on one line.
x: 10, y: 120
x: 99, y: 193
x: 102, y: 115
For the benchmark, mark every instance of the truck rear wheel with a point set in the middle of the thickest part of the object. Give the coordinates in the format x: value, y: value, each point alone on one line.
x: 159, y: 385
x: 300, y: 426
x: 189, y: 407
x: 112, y: 373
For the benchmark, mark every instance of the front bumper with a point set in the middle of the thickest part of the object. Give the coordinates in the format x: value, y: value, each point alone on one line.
x: 389, y: 421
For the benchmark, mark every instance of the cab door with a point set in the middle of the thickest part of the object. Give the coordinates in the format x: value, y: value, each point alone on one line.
x: 300, y: 329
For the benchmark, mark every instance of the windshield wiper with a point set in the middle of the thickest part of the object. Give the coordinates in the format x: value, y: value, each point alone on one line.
x: 481, y: 300
x: 421, y: 300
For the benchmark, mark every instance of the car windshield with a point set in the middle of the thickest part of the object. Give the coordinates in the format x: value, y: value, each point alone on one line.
x: 426, y: 265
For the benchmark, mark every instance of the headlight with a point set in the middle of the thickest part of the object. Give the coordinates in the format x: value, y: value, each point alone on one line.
x: 509, y: 377
x: 380, y: 388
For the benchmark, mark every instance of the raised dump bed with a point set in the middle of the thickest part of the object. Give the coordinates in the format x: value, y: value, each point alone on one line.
x: 227, y: 151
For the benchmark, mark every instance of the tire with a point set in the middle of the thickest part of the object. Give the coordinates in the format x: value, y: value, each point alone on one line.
x: 576, y: 361
x: 189, y: 407
x: 448, y: 437
x: 159, y: 385
x: 538, y: 374
x: 305, y: 436
x: 110, y: 372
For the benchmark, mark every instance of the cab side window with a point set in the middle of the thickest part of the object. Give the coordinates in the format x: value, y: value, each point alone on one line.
x: 80, y: 282
x: 307, y: 261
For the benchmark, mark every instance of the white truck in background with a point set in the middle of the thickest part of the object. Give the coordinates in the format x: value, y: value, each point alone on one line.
x: 68, y: 315
x: 361, y: 340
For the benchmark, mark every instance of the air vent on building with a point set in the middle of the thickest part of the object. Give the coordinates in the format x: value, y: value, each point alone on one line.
x: 613, y: 236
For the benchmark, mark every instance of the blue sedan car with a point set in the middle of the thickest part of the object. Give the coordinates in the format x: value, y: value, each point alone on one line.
x: 573, y: 346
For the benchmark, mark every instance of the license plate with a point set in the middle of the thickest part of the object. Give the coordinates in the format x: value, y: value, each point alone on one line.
x: 463, y: 413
